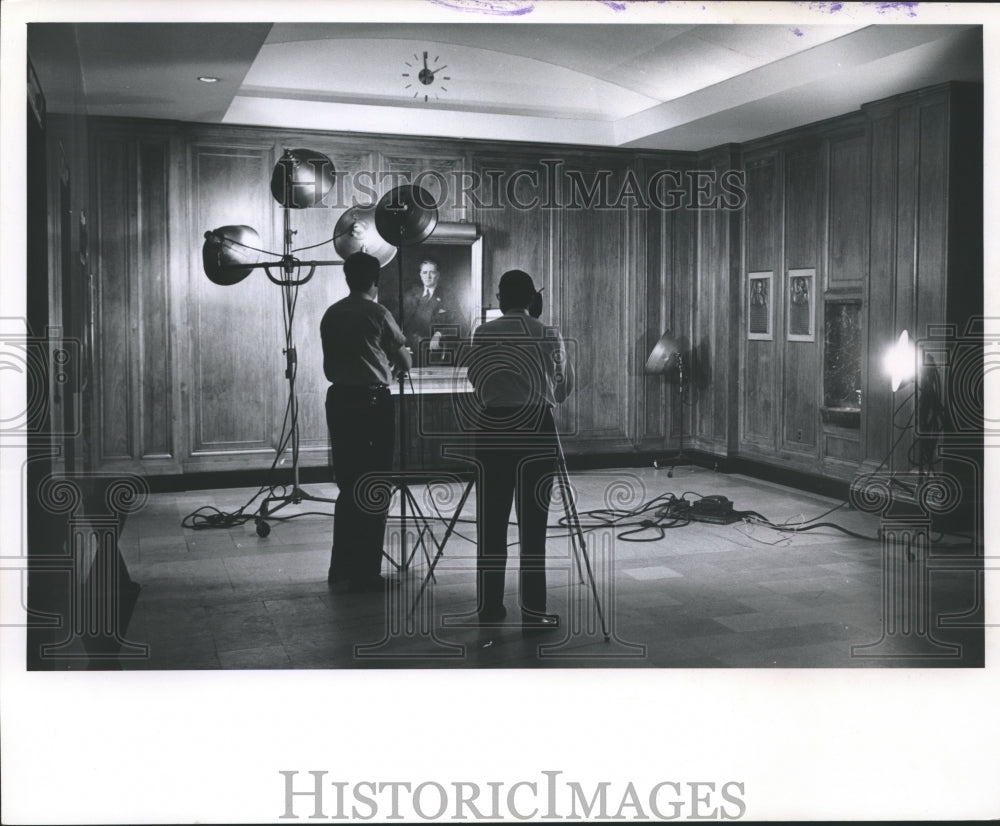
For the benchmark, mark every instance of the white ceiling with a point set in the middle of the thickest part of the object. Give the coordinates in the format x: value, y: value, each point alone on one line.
x: 680, y: 87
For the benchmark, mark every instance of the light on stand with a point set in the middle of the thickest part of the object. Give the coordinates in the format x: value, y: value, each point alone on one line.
x: 405, y: 216
x: 229, y: 254
x: 666, y: 357
x: 901, y: 361
x: 302, y: 178
x: 355, y: 232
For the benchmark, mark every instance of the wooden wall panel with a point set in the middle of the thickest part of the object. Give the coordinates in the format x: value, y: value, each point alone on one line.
x: 515, y: 237
x: 904, y: 293
x: 847, y: 263
x: 437, y: 173
x: 926, y: 217
x: 930, y: 287
x: 763, y: 222
x: 680, y: 308
x: 594, y: 276
x: 801, y: 364
x: 664, y: 303
x: 717, y: 313
x: 876, y: 404
x: 237, y: 369
x: 172, y: 344
x: 157, y: 379
x: 116, y: 400
x: 657, y: 295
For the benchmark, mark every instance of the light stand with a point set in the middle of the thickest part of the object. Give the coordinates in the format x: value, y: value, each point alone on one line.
x: 665, y: 356
x: 406, y: 216
x: 301, y: 178
x: 289, y: 291
x: 901, y: 362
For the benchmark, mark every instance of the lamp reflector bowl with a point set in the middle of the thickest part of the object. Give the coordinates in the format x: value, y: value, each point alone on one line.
x: 406, y: 215
x: 665, y: 352
x: 229, y: 253
x: 901, y: 361
x: 302, y: 178
x: 355, y: 232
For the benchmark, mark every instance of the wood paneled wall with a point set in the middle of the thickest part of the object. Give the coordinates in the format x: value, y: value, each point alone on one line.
x: 191, y: 374
x: 869, y: 202
x: 926, y: 260
x: 715, y: 298
x: 135, y: 401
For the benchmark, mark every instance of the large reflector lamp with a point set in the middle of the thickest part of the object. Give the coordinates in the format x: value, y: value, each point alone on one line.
x: 229, y: 253
x: 302, y: 178
x: 665, y: 355
x: 355, y: 232
x: 406, y: 215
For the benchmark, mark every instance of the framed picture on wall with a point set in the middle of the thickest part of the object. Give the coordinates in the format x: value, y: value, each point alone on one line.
x: 759, y: 306
x: 442, y: 297
x: 799, y: 300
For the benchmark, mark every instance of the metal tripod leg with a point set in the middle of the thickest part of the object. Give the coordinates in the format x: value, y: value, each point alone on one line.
x: 440, y: 545
x: 418, y: 516
x: 576, y: 533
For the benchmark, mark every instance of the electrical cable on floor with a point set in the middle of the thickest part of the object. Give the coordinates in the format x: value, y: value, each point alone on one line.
x: 669, y: 511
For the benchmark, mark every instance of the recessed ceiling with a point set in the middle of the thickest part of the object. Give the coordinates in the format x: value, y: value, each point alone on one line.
x: 680, y: 87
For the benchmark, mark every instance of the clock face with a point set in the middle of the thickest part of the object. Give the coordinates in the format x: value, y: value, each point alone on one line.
x: 423, y: 76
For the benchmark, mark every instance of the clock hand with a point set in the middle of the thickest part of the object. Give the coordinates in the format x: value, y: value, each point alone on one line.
x: 438, y: 69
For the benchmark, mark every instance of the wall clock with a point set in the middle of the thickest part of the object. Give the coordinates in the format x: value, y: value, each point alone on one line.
x: 424, y: 78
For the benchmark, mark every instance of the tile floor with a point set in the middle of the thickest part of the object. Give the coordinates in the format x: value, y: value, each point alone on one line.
x: 701, y: 595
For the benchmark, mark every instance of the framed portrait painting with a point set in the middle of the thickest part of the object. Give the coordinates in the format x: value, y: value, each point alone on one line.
x: 759, y: 306
x: 801, y: 325
x: 442, y: 281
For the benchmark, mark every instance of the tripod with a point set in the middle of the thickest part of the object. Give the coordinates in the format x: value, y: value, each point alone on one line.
x: 289, y: 290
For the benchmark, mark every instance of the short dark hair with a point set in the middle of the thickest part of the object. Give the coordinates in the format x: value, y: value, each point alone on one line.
x: 516, y: 290
x: 361, y: 271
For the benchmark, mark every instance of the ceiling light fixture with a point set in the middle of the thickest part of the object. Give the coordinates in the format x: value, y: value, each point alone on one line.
x: 208, y: 79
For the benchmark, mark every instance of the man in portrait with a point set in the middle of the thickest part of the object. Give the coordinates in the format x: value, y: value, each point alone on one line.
x: 431, y: 317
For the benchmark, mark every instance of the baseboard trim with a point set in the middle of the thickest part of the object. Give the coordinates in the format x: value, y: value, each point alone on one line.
x: 814, y: 483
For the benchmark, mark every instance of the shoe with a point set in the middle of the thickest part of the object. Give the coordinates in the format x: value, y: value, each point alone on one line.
x: 372, y: 585
x: 535, y: 621
x: 492, y: 616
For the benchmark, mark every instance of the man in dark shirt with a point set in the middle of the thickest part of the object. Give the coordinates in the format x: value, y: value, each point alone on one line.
x: 362, y: 346
x: 519, y: 370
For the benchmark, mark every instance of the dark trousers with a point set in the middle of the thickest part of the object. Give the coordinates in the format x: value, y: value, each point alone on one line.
x: 362, y: 429
x: 517, y: 457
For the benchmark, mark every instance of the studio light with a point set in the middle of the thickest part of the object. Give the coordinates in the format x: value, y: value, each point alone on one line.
x: 230, y: 253
x: 302, y: 178
x: 355, y: 232
x: 667, y: 358
x: 901, y: 361
x: 406, y: 215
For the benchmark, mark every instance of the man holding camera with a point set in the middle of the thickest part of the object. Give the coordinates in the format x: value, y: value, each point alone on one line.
x: 520, y: 371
